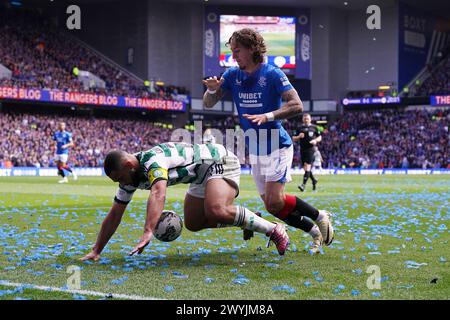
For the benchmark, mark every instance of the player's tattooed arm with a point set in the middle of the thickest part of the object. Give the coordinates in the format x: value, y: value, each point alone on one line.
x: 215, y: 93
x: 210, y: 100
x: 293, y: 106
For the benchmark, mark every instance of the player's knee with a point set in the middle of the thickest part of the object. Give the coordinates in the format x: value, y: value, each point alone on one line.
x: 274, y: 206
x: 193, y: 226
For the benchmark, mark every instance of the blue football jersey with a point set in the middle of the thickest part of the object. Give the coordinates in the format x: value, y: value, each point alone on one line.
x: 62, y: 138
x: 258, y: 93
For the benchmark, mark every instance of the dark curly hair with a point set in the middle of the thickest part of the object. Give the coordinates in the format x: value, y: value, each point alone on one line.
x: 250, y: 39
x: 113, y: 161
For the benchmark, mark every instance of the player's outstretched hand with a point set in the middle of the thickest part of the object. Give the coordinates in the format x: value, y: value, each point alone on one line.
x: 94, y: 256
x: 259, y: 119
x: 145, y: 240
x: 212, y: 83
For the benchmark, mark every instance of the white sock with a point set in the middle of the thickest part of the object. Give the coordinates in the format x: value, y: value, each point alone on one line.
x: 248, y: 220
x: 320, y: 216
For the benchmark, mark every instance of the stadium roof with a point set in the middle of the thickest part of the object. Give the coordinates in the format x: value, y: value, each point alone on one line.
x: 438, y: 7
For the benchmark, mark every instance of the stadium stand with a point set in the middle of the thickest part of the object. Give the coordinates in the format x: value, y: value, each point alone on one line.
x: 27, y: 138
x: 42, y: 57
x: 393, y: 138
x: 439, y: 80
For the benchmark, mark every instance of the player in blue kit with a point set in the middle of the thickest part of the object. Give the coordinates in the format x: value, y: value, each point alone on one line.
x: 63, y: 141
x: 258, y: 89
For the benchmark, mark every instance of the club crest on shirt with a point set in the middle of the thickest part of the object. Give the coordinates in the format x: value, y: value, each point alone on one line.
x: 262, y: 81
x: 238, y: 82
x: 310, y: 133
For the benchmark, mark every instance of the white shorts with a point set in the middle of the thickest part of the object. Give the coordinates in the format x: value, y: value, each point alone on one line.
x: 275, y: 167
x: 229, y: 170
x: 62, y: 157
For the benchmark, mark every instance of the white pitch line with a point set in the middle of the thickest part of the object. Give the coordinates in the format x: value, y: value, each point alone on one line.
x: 81, y: 292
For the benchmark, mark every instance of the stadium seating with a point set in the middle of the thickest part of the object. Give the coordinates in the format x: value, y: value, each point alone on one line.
x: 384, y: 139
x: 41, y: 57
x: 359, y: 139
x: 27, y: 138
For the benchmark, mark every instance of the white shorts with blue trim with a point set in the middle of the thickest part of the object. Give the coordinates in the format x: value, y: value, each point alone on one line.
x: 62, y: 157
x: 275, y: 167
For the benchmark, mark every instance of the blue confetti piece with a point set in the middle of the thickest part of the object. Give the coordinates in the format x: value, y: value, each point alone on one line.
x: 355, y: 293
x: 319, y: 279
x: 376, y: 294
x: 414, y: 265
x: 241, y: 281
x: 357, y: 271
x: 209, y: 280
x: 119, y: 281
x: 405, y: 286
x: 285, y: 287
x: 307, y: 284
x: 169, y: 288
x: 442, y: 259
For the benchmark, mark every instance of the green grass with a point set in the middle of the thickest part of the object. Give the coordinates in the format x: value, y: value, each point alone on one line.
x: 45, y: 227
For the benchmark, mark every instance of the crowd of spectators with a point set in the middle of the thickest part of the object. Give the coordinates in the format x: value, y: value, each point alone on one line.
x: 42, y: 57
x: 358, y: 139
x: 27, y: 138
x: 438, y: 82
x: 384, y: 139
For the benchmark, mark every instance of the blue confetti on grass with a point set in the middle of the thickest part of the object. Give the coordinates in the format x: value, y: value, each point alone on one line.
x: 119, y: 281
x: 241, y: 280
x: 355, y: 293
x: 285, y: 288
x: 376, y: 294
x: 169, y: 288
x: 209, y: 280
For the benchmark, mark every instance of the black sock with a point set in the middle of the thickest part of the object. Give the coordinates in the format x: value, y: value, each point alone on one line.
x: 305, y: 209
x: 306, y: 176
x: 297, y: 221
x: 61, y: 173
x: 312, y: 177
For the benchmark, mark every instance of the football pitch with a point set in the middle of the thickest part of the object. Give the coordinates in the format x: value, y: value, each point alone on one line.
x: 394, y: 227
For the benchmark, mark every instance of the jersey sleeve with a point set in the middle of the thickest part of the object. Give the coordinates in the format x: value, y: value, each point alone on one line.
x: 281, y: 81
x: 54, y: 137
x: 318, y: 132
x: 157, y: 172
x: 124, y: 194
x: 69, y: 137
x: 226, y: 85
